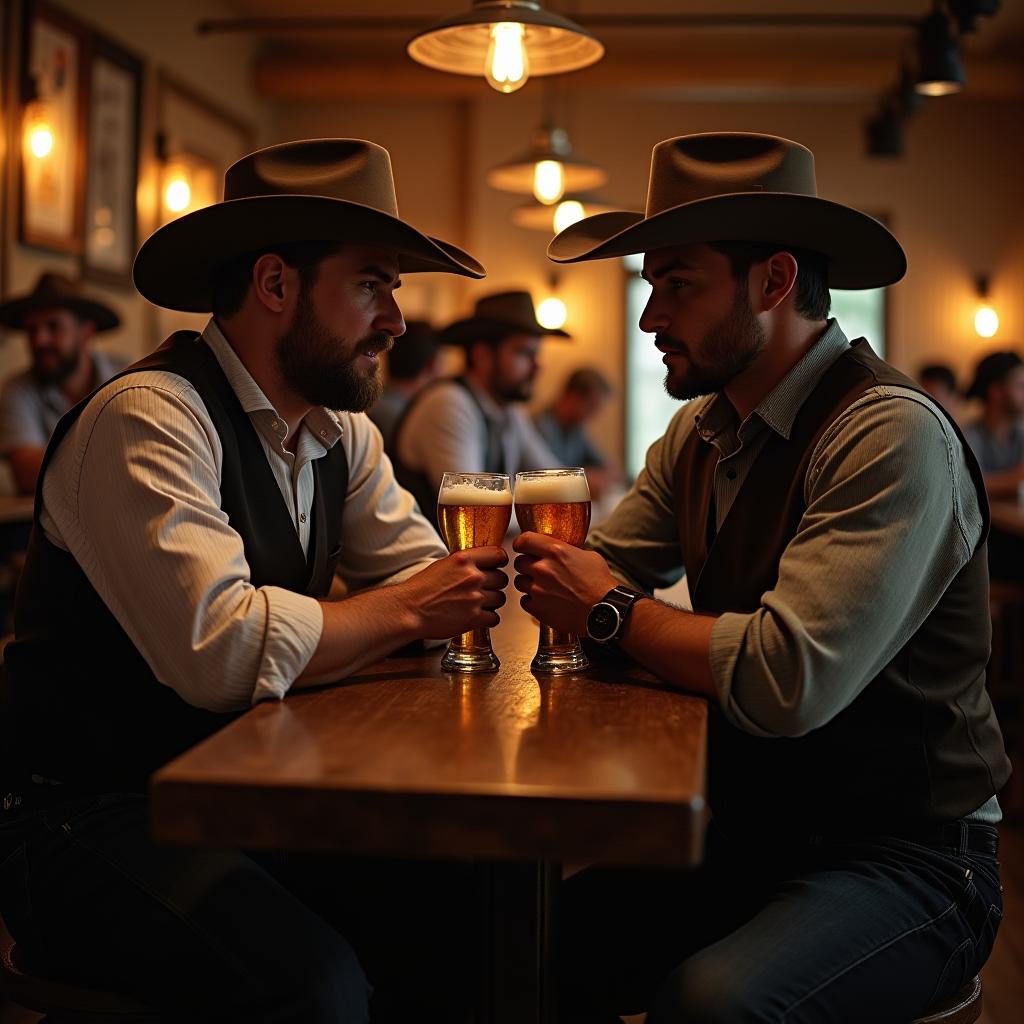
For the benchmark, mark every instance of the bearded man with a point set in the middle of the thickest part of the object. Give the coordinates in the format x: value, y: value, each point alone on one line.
x: 59, y: 322
x: 190, y: 519
x: 831, y: 522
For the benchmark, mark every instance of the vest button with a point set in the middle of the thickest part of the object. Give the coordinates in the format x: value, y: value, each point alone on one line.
x: 302, y: 517
x: 731, y: 474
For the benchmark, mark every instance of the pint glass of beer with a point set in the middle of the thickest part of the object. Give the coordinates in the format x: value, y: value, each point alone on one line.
x: 555, y: 502
x: 473, y: 511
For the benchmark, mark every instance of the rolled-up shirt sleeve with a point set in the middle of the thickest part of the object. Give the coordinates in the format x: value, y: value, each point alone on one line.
x: 133, y: 493
x: 892, y: 516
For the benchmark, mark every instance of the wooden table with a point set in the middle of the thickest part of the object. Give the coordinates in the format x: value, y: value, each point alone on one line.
x: 403, y: 759
x: 1008, y: 516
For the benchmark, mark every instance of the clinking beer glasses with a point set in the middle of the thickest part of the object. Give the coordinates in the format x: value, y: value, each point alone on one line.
x: 473, y: 510
x: 555, y: 502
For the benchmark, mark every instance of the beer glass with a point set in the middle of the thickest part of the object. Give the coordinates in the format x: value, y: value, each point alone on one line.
x: 555, y: 502
x: 473, y: 510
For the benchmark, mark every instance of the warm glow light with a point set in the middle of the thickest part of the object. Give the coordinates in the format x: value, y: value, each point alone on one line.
x: 507, y: 66
x: 552, y: 314
x: 548, y: 181
x: 178, y: 194
x: 986, y: 321
x: 568, y: 213
x: 937, y: 88
x: 40, y: 141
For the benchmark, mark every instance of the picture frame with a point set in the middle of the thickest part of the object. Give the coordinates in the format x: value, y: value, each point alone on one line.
x: 52, y: 160
x: 112, y: 166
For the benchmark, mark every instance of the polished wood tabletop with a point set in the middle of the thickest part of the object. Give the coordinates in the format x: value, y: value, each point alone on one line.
x: 405, y: 759
x: 1008, y: 515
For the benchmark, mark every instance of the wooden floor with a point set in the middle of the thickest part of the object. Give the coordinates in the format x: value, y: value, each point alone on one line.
x: 1003, y: 976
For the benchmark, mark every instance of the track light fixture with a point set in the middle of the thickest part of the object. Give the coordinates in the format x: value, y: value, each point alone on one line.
x: 940, y: 71
x: 967, y: 12
x: 885, y: 131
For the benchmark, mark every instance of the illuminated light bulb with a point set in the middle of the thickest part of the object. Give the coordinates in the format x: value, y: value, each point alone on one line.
x: 986, y: 321
x: 567, y: 213
x: 552, y: 314
x: 507, y: 66
x: 548, y: 181
x: 40, y: 141
x: 178, y: 194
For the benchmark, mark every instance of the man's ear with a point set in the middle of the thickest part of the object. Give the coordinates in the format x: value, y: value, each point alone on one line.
x: 775, y: 280
x: 270, y: 282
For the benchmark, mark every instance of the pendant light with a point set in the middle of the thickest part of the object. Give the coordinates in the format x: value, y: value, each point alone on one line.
x: 506, y: 41
x: 940, y: 71
x: 558, y: 216
x: 549, y: 169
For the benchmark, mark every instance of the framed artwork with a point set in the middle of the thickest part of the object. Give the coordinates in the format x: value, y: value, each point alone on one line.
x: 53, y: 144
x: 115, y: 93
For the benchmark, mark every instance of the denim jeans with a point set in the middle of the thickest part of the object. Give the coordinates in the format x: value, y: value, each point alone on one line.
x: 771, y: 928
x: 226, y: 936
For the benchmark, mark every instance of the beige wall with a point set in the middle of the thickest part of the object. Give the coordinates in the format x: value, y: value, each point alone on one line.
x: 163, y: 36
x: 953, y: 200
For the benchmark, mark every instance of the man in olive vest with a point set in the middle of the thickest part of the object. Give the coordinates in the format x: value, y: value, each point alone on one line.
x: 831, y: 524
x: 189, y: 520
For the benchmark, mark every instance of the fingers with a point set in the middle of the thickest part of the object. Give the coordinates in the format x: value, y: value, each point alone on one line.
x: 537, y: 544
x: 486, y: 558
x: 494, y: 579
x: 524, y: 564
x: 492, y: 599
x: 523, y: 584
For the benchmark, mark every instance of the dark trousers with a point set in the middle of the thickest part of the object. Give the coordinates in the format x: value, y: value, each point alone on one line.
x: 874, y: 929
x: 224, y: 936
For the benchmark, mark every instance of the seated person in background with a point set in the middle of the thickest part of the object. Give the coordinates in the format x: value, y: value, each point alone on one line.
x: 476, y: 423
x: 562, y: 425
x: 192, y: 514
x: 59, y: 323
x: 411, y: 366
x: 940, y: 382
x: 831, y: 522
x: 997, y: 438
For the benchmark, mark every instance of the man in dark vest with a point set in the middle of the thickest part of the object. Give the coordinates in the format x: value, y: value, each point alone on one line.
x: 476, y: 423
x: 189, y: 520
x: 831, y: 524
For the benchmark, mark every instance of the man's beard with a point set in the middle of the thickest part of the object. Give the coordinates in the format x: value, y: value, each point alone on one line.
x: 726, y: 351
x: 59, y: 371
x: 521, y: 392
x: 313, y: 363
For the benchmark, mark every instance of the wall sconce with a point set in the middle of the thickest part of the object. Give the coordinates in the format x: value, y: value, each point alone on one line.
x: 986, y: 319
x: 940, y: 71
x: 557, y: 217
x: 39, y: 137
x: 506, y: 41
x: 551, y: 311
x: 549, y: 169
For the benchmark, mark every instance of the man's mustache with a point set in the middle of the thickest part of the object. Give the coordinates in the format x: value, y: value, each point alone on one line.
x: 379, y: 341
x: 666, y: 343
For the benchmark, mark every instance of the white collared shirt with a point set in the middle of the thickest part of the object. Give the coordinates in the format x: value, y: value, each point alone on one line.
x: 133, y: 493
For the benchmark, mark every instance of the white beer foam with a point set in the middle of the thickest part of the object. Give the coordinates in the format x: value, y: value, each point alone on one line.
x: 469, y: 494
x: 558, y: 488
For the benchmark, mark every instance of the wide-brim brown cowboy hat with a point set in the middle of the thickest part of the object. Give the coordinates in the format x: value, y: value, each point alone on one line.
x: 502, y: 313
x: 742, y: 187
x: 317, y: 190
x: 54, y: 291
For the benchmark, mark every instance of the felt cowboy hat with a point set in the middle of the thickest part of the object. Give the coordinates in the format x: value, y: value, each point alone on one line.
x: 732, y: 186
x: 53, y: 291
x: 501, y: 313
x: 316, y: 190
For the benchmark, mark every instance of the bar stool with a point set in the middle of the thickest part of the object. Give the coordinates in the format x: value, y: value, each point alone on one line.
x: 62, y: 1003
x: 962, y: 1008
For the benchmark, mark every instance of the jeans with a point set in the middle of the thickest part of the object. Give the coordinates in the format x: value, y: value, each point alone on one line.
x: 226, y: 936
x: 871, y: 928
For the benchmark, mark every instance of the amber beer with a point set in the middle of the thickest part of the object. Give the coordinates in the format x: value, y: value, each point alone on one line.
x: 555, y: 502
x: 473, y: 511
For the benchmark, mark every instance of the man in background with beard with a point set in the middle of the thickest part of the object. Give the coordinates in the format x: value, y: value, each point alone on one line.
x: 831, y: 523
x: 59, y: 322
x: 193, y: 512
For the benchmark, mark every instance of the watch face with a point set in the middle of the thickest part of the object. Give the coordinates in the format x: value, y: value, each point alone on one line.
x: 602, y: 621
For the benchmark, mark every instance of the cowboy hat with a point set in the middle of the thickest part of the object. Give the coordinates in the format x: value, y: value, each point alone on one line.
x: 53, y: 291
x: 734, y: 186
x: 500, y: 314
x: 316, y: 190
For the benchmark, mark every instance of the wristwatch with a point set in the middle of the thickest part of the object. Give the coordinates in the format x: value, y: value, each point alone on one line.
x: 607, y: 618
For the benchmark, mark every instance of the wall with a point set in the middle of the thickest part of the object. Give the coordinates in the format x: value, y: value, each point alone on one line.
x: 163, y: 36
x: 953, y: 200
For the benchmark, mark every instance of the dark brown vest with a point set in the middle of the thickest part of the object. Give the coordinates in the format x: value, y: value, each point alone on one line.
x: 920, y: 743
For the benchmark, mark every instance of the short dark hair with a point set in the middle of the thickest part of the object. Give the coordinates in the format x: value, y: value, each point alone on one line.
x: 813, y: 300
x: 587, y: 381
x: 940, y: 373
x: 231, y: 283
x: 413, y: 351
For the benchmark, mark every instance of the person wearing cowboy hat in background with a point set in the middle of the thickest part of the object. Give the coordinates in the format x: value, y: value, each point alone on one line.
x: 831, y: 521
x: 59, y: 322
x: 190, y: 518
x: 476, y: 423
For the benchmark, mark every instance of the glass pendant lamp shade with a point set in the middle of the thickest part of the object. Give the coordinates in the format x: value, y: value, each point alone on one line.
x: 506, y: 41
x: 558, y: 216
x: 940, y: 71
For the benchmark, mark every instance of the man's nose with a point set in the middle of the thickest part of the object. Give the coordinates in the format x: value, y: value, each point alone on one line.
x: 653, y: 320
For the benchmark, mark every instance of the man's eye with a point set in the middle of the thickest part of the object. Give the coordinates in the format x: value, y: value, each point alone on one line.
x: 675, y: 283
x: 370, y: 286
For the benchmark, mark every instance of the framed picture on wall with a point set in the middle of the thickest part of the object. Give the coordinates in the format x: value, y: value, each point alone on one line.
x: 115, y: 94
x: 53, y: 141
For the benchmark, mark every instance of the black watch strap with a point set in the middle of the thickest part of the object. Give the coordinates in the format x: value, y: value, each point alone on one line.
x: 621, y: 599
